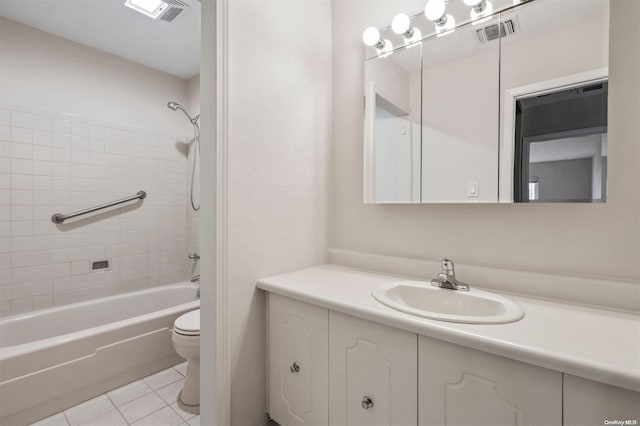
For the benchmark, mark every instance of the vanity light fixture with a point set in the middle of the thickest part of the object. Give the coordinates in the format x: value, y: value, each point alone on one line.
x: 401, y: 25
x: 435, y: 11
x: 371, y: 37
x: 151, y: 8
x: 479, y: 9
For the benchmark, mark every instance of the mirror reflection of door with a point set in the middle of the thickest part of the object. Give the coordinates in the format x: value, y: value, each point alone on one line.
x: 561, y: 146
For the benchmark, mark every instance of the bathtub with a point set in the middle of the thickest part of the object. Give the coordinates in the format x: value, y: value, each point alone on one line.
x: 55, y: 358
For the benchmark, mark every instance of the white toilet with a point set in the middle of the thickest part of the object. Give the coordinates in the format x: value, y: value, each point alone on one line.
x: 186, y: 341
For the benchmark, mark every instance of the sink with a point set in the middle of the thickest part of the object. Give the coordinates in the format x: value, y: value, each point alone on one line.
x: 424, y: 300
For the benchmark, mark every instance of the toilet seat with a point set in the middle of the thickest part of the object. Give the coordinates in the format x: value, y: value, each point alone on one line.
x: 188, y: 324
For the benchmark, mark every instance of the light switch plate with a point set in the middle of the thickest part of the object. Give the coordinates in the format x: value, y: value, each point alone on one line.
x: 473, y: 189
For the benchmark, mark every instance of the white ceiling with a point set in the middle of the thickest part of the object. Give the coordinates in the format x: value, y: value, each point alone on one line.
x: 109, y: 26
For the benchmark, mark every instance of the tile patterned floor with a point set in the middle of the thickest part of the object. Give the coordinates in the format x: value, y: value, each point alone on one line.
x: 152, y: 401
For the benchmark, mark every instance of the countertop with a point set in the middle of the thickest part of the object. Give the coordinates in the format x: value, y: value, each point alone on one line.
x: 596, y: 344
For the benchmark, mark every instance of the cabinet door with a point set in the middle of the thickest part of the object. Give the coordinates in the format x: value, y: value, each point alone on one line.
x: 591, y: 403
x: 298, y: 362
x: 462, y: 386
x: 372, y: 379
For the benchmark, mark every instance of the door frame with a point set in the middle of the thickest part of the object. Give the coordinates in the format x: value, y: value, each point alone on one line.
x: 507, y: 141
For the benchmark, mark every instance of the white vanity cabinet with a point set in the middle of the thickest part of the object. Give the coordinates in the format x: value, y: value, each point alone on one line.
x: 463, y: 386
x: 298, y: 362
x: 591, y: 403
x: 372, y: 373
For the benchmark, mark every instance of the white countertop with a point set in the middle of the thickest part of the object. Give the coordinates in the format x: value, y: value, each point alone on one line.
x: 596, y: 344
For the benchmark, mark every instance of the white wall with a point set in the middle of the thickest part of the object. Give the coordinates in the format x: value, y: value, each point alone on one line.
x: 600, y: 240
x: 49, y: 72
x: 84, y: 128
x: 279, y: 149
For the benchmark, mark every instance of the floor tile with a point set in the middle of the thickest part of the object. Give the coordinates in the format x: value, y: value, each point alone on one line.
x: 164, y: 417
x: 91, y: 409
x: 181, y: 368
x: 141, y: 407
x: 129, y: 392
x: 184, y: 411
x: 170, y: 393
x: 163, y: 378
x: 55, y: 420
x: 194, y: 421
x: 111, y: 418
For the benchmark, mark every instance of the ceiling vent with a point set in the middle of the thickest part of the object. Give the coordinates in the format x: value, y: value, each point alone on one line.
x: 495, y: 31
x: 174, y: 9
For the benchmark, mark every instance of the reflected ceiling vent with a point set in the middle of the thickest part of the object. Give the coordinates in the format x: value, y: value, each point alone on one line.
x: 495, y: 31
x: 174, y: 9
x: 166, y: 10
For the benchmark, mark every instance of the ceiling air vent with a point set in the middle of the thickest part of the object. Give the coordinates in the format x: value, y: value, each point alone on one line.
x: 173, y: 10
x: 495, y: 31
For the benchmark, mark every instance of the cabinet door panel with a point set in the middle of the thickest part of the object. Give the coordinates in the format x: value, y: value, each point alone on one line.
x: 462, y: 386
x: 298, y: 362
x: 591, y: 403
x: 371, y: 361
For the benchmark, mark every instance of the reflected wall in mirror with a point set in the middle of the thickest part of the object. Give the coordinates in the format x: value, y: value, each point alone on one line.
x: 392, y: 128
x: 460, y: 88
x: 513, y: 108
x: 553, y: 79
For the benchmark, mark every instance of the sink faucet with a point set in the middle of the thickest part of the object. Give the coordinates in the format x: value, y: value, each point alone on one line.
x: 447, y: 278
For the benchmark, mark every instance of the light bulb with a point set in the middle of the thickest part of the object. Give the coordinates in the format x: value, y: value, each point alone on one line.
x: 371, y: 37
x: 401, y: 23
x: 434, y: 10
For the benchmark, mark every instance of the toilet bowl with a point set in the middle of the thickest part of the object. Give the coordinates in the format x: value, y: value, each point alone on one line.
x: 186, y: 342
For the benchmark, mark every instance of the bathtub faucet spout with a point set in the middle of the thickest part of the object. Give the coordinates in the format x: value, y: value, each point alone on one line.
x: 195, y: 279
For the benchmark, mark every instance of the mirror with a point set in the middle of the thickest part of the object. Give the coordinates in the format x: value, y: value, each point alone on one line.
x: 553, y: 79
x: 460, y: 88
x: 510, y: 108
x: 392, y: 128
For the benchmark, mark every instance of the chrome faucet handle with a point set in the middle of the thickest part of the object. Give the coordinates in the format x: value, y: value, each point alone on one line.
x: 447, y: 266
x: 194, y: 256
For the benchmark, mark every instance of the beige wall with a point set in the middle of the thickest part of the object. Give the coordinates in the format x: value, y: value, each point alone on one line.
x: 590, y: 240
x: 279, y: 140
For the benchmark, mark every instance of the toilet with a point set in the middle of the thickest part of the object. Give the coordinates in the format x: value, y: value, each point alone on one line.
x: 186, y: 342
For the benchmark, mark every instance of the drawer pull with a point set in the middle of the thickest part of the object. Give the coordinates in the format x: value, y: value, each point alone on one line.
x: 295, y: 368
x: 367, y: 402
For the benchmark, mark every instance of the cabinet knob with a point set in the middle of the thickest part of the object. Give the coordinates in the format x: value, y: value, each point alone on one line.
x: 295, y: 368
x: 367, y: 402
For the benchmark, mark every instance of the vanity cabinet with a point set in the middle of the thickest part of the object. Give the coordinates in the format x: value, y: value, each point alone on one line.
x: 591, y: 403
x: 463, y: 386
x: 329, y: 368
x: 298, y: 362
x: 372, y: 374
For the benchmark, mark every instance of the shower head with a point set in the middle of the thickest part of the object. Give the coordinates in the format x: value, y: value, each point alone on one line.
x: 176, y: 106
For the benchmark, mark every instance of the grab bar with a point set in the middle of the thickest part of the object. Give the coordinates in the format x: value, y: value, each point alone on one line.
x: 60, y: 218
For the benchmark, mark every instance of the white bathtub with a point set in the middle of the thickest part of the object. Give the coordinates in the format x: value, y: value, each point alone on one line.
x: 55, y: 358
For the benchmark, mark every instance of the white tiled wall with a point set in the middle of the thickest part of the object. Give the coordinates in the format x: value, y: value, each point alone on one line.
x: 53, y: 162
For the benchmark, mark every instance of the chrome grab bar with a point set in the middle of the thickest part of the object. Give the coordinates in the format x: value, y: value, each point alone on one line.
x: 60, y: 218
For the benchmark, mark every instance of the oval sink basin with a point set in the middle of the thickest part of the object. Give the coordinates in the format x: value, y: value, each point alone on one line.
x: 424, y: 300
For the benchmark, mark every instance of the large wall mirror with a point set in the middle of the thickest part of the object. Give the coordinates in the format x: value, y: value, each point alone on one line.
x: 510, y: 108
